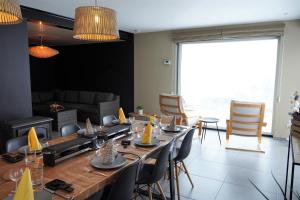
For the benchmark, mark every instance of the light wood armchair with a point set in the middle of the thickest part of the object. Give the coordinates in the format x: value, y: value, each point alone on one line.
x: 246, y: 118
x: 173, y: 105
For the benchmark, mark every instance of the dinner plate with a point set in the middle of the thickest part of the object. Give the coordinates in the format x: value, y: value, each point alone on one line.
x: 97, y: 162
x: 168, y: 130
x: 154, y: 142
x: 23, y: 148
x: 41, y: 195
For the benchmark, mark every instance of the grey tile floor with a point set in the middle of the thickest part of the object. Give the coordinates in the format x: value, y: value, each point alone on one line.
x: 223, y: 174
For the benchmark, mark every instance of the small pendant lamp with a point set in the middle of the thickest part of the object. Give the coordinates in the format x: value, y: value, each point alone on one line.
x: 42, y: 51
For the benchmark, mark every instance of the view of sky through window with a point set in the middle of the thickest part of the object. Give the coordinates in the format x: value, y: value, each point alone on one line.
x: 214, y: 73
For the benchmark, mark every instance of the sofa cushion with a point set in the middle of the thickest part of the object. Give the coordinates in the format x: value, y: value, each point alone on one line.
x: 86, y: 97
x: 59, y: 95
x: 35, y: 98
x: 71, y: 96
x: 103, y: 96
x: 46, y: 96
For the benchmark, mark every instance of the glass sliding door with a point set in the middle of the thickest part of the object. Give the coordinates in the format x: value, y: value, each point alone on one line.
x: 211, y: 74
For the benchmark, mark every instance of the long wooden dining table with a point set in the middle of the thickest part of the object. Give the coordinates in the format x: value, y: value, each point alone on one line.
x: 85, y: 179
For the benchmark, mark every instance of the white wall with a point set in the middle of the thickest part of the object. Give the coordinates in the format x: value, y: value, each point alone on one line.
x: 290, y: 77
x: 152, y: 77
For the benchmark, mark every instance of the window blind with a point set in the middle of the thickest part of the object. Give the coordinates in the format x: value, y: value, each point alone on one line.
x: 229, y: 32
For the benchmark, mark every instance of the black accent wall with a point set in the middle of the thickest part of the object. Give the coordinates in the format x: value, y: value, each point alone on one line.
x: 43, y: 73
x: 106, y: 67
x: 15, y: 90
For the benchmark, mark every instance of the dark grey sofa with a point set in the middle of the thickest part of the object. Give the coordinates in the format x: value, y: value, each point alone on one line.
x: 93, y: 105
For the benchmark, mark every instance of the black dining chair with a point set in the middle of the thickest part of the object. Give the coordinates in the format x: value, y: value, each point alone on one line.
x: 69, y: 129
x: 108, y: 119
x: 123, y: 187
x: 182, y: 153
x: 151, y: 173
x: 15, y: 143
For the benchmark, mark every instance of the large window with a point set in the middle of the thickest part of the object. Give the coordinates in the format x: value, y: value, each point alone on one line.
x: 211, y: 74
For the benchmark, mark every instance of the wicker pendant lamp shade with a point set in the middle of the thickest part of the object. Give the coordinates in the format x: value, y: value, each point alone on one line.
x: 10, y: 12
x: 95, y: 23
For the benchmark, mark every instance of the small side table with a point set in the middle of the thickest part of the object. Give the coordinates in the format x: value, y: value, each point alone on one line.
x: 143, y: 117
x: 209, y: 120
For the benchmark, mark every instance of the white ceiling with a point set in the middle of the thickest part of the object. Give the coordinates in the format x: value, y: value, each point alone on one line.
x: 158, y: 15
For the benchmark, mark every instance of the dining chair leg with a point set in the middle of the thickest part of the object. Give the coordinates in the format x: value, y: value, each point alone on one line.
x: 161, y: 191
x: 136, y: 193
x: 165, y: 175
x: 149, y: 192
x: 218, y: 133
x: 199, y: 126
x: 187, y: 173
x: 177, y: 181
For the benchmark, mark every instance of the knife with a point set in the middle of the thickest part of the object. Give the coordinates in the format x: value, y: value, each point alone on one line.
x: 58, y: 194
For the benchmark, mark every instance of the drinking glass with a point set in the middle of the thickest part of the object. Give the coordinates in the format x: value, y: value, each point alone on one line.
x: 28, y: 158
x: 131, y: 120
x: 165, y: 120
x: 137, y: 128
x: 35, y: 164
x: 15, y: 175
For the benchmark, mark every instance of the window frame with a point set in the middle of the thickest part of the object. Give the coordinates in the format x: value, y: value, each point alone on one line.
x: 278, y: 73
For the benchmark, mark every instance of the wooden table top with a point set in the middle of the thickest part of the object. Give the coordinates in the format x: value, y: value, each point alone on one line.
x: 77, y: 170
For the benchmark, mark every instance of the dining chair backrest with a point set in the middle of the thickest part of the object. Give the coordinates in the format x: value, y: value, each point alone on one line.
x: 15, y: 143
x: 124, y: 185
x: 41, y: 132
x: 246, y: 118
x: 172, y: 105
x: 185, y: 146
x: 161, y: 162
x: 69, y: 129
x: 108, y: 119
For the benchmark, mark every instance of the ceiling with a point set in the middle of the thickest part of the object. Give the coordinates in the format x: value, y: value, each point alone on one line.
x: 54, y: 36
x: 158, y: 15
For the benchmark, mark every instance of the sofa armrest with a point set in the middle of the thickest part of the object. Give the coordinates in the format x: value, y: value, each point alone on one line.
x: 109, y: 107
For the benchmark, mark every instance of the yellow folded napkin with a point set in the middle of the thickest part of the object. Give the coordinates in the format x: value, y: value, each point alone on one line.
x: 152, y: 119
x: 33, y: 142
x: 122, y: 117
x: 147, y: 136
x: 24, y: 189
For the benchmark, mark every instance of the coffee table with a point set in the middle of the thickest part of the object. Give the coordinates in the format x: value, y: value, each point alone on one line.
x: 209, y: 120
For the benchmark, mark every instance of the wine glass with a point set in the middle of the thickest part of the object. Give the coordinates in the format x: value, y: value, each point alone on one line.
x: 15, y: 175
x: 99, y: 128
